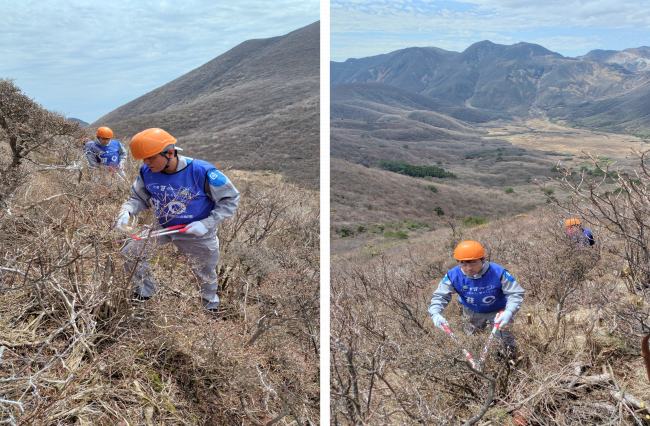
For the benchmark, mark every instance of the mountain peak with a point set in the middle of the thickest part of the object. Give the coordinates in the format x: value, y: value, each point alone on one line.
x: 250, y: 108
x: 635, y: 59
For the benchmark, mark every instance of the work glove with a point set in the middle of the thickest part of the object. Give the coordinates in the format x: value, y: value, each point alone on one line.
x: 196, y: 228
x: 120, y: 171
x: 439, y: 320
x: 122, y: 221
x: 503, y: 317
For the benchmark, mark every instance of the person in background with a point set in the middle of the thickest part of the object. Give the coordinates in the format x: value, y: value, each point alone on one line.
x: 106, y: 151
x: 183, y: 191
x: 582, y: 236
x: 484, y: 289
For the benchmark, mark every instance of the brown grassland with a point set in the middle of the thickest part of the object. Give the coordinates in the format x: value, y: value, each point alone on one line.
x: 390, y: 366
x: 585, y: 311
x: 73, y: 350
x: 540, y: 132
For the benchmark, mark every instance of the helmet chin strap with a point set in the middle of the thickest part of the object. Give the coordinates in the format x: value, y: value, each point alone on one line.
x: 164, y: 154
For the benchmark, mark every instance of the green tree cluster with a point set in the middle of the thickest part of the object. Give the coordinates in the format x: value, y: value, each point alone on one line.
x: 415, y: 171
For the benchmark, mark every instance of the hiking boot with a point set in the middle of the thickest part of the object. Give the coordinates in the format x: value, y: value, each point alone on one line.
x: 513, y: 353
x: 213, y: 315
x: 137, y: 299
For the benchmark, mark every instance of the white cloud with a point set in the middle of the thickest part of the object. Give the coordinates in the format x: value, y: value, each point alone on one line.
x: 85, y: 58
x: 610, y: 14
x: 569, y: 27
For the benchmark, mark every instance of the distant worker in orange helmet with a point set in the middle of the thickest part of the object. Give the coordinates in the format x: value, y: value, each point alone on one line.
x: 183, y: 191
x: 582, y: 236
x: 106, y: 151
x: 484, y: 289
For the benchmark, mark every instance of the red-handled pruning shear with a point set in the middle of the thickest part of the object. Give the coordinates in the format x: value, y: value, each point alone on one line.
x: 465, y: 352
x: 165, y: 231
x: 486, y: 349
x: 120, y: 173
x: 489, y: 343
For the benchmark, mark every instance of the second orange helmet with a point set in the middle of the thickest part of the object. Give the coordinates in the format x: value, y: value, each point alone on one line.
x: 104, y: 132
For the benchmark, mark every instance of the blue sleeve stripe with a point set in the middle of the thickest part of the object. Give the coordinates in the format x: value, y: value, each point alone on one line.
x: 216, y: 178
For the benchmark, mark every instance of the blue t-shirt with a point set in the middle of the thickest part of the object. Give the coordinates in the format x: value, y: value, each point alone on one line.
x: 179, y: 198
x: 106, y: 155
x: 481, y: 295
x: 583, y: 237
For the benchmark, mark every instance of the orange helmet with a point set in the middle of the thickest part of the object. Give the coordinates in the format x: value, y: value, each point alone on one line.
x: 571, y: 222
x: 150, y: 142
x: 104, y: 132
x: 469, y: 250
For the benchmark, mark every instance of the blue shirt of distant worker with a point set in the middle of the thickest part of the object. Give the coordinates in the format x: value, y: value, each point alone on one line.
x: 105, y: 151
x: 582, y: 236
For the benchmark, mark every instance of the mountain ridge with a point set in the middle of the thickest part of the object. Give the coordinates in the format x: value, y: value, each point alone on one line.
x: 492, y: 76
x: 255, y: 107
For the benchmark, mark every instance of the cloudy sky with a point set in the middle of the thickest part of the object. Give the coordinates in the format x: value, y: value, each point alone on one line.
x: 361, y: 28
x: 84, y: 58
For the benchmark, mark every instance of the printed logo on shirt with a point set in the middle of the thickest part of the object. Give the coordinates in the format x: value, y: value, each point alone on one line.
x: 508, y: 276
x: 489, y: 300
x: 216, y: 178
x: 175, y: 207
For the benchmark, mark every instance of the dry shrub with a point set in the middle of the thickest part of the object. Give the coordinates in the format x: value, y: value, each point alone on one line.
x: 74, y: 351
x: 619, y: 202
x: 391, y: 366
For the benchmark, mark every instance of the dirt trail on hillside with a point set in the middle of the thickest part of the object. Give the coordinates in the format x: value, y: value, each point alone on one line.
x: 540, y: 134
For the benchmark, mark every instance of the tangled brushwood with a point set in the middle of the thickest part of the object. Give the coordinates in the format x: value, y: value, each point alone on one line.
x: 73, y: 349
x: 579, y: 332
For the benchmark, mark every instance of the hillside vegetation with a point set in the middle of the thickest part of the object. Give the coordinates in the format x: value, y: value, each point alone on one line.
x: 490, y: 173
x: 73, y: 349
x: 255, y: 107
x: 586, y: 309
x: 579, y: 350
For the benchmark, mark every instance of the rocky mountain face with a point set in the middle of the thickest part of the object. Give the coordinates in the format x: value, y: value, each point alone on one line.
x: 255, y: 107
x: 635, y: 59
x: 604, y: 89
x: 497, y: 77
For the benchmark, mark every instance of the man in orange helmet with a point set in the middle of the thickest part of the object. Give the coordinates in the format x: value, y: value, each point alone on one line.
x: 582, y: 236
x: 182, y: 191
x: 484, y: 289
x: 105, y: 151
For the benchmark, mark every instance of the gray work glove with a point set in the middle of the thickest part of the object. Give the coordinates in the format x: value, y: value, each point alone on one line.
x: 196, y: 228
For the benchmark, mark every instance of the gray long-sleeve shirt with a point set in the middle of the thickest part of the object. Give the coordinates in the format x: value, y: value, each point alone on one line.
x: 442, y: 296
x: 226, y: 197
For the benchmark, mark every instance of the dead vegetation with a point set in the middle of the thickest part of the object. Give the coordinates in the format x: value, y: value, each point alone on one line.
x: 580, y: 355
x: 74, y: 351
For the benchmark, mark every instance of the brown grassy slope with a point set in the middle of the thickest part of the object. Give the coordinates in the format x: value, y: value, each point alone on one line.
x: 256, y: 107
x: 68, y: 329
x: 380, y: 296
x: 363, y: 194
x: 367, y: 195
x: 361, y: 101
